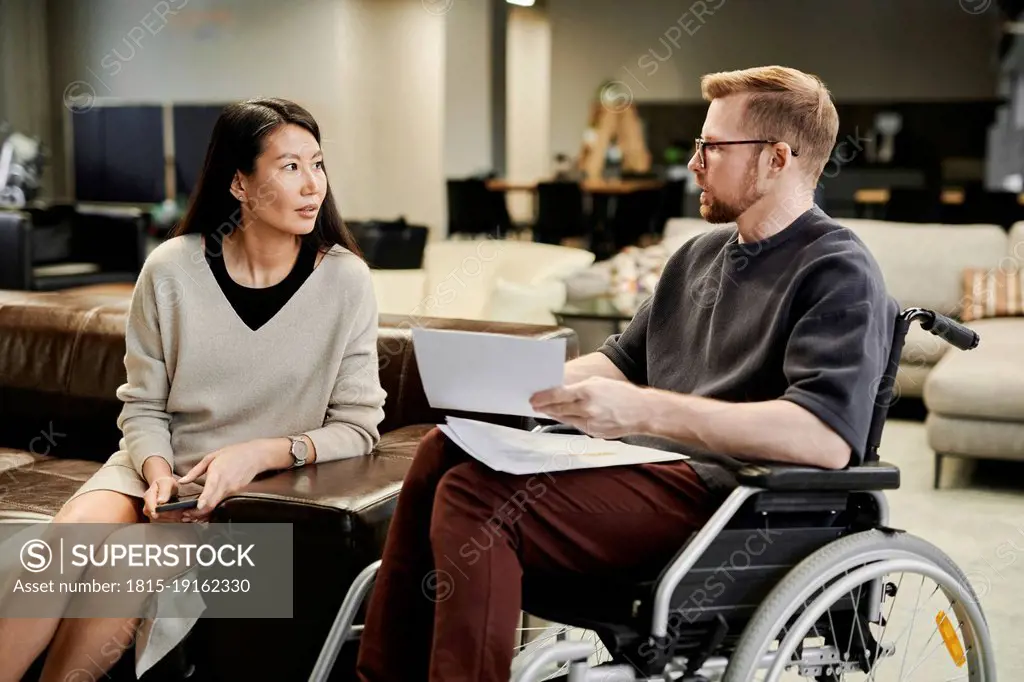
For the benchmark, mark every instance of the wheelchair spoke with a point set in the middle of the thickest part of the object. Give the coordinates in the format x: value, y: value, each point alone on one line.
x: 875, y: 665
x: 907, y: 630
x: 856, y: 620
x: 938, y: 645
x: 911, y: 627
x: 924, y: 658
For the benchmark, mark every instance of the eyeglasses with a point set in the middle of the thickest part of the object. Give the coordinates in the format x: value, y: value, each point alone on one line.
x: 703, y: 144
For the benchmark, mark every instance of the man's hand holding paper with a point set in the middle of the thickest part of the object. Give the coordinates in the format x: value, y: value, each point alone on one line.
x: 599, y: 407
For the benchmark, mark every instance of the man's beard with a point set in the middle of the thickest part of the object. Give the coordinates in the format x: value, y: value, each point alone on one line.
x: 719, y: 211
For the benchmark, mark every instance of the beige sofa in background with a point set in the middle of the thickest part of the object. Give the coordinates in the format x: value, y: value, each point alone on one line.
x: 975, y: 399
x: 923, y: 266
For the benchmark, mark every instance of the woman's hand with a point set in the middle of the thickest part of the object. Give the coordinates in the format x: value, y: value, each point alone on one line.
x: 227, y: 470
x: 162, y: 489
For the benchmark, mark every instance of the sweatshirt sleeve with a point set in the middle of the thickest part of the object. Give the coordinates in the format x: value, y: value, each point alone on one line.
x: 838, y: 350
x: 144, y: 420
x: 356, y: 406
x: 628, y: 350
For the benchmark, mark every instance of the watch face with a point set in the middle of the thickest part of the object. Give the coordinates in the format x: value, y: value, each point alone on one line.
x: 299, y: 449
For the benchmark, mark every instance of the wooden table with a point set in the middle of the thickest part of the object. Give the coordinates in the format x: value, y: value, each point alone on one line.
x: 604, y: 193
x: 594, y: 186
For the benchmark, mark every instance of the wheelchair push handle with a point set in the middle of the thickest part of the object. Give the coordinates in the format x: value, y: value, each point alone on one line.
x: 949, y: 330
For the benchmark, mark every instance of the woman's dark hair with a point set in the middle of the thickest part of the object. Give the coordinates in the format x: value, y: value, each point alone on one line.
x: 236, y: 142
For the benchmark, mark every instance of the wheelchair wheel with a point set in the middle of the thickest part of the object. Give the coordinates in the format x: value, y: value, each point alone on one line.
x: 874, y: 606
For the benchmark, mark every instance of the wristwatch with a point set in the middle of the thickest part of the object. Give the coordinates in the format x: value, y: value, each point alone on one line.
x: 298, y: 450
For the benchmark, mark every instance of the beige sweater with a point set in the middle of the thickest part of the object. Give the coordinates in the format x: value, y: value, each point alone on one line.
x: 199, y: 379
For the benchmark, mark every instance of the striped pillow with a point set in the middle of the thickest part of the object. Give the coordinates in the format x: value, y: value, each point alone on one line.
x: 992, y: 293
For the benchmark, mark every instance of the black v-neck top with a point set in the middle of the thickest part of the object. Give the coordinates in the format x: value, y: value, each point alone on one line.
x: 257, y: 306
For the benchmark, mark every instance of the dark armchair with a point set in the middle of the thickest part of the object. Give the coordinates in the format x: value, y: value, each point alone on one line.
x: 63, y: 246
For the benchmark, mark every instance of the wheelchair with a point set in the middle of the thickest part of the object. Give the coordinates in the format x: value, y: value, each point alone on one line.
x: 795, y: 576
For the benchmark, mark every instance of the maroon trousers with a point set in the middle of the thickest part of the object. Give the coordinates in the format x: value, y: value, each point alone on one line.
x: 447, y: 599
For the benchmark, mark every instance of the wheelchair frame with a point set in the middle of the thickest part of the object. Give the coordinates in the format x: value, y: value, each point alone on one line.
x: 867, y: 480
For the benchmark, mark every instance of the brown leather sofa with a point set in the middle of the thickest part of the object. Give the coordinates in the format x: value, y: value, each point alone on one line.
x: 61, y: 361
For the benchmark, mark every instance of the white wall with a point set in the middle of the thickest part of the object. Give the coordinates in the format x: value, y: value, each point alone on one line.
x: 528, y: 73
x: 370, y: 71
x: 467, y: 87
x: 863, y: 49
x: 390, y: 99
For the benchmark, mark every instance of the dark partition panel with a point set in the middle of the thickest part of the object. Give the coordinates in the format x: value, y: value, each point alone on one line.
x: 193, y: 125
x: 926, y: 138
x: 119, y: 154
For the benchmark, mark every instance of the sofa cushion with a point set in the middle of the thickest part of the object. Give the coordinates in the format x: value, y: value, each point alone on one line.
x: 530, y: 263
x: 34, y: 487
x: 400, y: 292
x: 461, y: 276
x: 526, y: 303
x: 984, y: 383
x: 61, y: 362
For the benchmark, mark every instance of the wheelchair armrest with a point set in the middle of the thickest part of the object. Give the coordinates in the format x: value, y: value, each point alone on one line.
x: 870, y: 476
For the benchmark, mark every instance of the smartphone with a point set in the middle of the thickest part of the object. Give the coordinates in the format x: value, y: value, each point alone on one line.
x: 183, y: 503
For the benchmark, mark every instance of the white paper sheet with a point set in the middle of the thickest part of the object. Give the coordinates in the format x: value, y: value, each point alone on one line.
x: 516, y: 451
x: 483, y: 372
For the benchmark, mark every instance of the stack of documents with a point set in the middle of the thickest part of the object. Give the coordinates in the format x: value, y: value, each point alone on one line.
x: 497, y: 374
x: 515, y: 451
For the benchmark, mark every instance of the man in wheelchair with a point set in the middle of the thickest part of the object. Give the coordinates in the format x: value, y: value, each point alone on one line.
x: 765, y: 340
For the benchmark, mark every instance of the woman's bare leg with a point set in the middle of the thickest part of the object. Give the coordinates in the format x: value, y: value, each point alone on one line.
x: 23, y: 639
x: 84, y: 649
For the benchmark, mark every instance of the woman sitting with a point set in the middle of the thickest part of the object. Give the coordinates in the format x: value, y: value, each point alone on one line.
x: 251, y: 347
